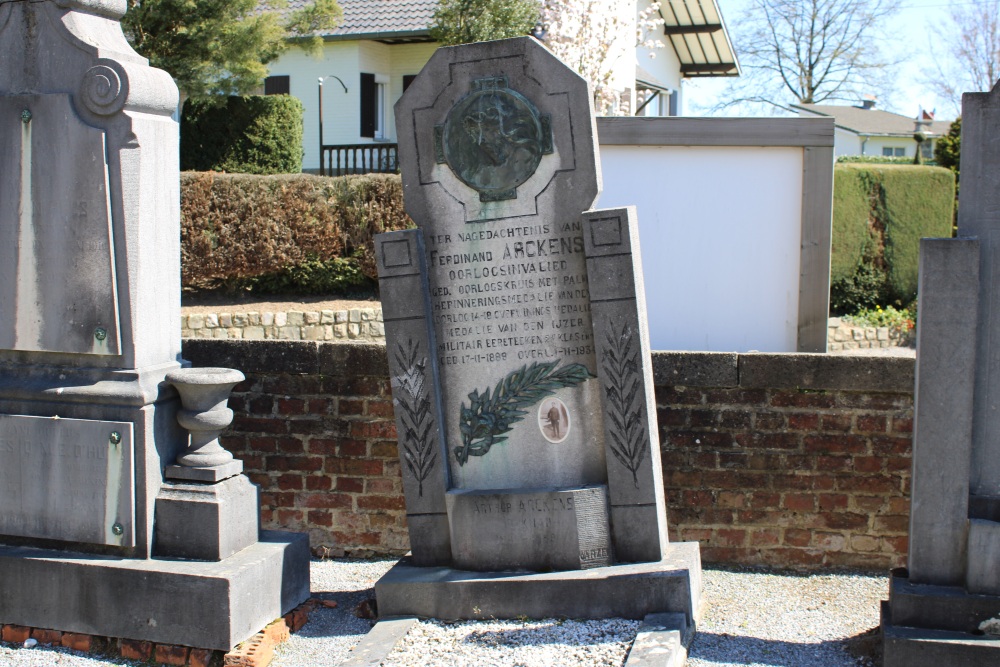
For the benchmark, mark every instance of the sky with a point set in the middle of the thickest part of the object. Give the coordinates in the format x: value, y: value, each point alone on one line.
x: 906, y: 37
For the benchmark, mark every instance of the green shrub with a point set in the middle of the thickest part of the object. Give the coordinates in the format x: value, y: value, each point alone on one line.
x: 948, y: 149
x: 918, y: 203
x: 297, y: 234
x: 899, y: 320
x: 257, y: 134
x: 880, y: 213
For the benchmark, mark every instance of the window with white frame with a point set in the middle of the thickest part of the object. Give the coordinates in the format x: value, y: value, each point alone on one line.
x: 893, y: 151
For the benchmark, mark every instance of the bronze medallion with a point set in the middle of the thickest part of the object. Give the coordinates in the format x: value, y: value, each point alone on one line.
x: 493, y: 139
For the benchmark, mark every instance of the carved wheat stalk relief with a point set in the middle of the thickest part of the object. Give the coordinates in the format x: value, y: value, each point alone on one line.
x: 415, y: 412
x: 629, y: 443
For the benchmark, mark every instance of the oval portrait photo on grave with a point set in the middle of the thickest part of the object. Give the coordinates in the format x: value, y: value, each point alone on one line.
x: 494, y: 138
x: 553, y: 420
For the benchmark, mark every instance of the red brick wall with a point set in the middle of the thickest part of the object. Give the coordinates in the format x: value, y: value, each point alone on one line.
x: 789, y: 460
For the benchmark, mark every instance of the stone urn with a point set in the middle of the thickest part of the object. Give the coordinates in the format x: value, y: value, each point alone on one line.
x: 204, y: 393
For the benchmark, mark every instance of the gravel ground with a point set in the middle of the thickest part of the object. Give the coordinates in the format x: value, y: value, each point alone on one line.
x: 751, y: 618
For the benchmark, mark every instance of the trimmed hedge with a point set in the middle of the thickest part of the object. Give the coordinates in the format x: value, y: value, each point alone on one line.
x: 257, y: 134
x: 297, y: 233
x: 880, y: 213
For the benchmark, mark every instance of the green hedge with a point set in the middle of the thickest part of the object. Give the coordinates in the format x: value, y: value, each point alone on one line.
x: 880, y: 213
x: 257, y: 134
x: 293, y: 234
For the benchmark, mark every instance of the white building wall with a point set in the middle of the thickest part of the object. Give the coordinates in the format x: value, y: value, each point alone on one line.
x: 845, y: 142
x: 342, y: 111
x: 875, y: 145
x: 720, y: 231
x: 664, y: 64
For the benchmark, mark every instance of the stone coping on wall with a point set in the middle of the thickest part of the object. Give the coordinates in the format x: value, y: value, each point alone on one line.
x: 356, y: 324
x: 365, y: 324
x: 689, y: 369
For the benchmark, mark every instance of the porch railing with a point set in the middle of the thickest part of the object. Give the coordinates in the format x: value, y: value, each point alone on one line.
x: 358, y: 159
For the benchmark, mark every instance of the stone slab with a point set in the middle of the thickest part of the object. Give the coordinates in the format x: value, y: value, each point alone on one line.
x: 206, y: 521
x: 50, y: 177
x: 536, y: 530
x: 939, y: 607
x: 625, y: 371
x: 695, y: 369
x: 662, y: 641
x: 820, y: 371
x: 943, y: 410
x: 374, y: 647
x: 204, y: 473
x: 203, y: 605
x: 618, y: 591
x: 983, y: 557
x: 918, y: 647
x: 498, y: 162
x: 430, y: 540
x: 979, y: 218
x: 67, y: 479
x: 639, y: 533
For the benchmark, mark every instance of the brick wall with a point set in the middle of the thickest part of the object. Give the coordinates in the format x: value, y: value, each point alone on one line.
x: 790, y: 460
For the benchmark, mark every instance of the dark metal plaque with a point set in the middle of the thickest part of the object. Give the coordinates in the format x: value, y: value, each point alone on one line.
x: 493, y: 139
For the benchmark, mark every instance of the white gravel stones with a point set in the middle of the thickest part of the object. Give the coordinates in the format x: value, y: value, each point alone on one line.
x: 53, y: 656
x: 758, y: 619
x: 331, y: 633
x: 546, y: 643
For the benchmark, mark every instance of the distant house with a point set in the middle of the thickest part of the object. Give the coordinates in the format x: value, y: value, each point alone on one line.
x: 373, y: 55
x: 865, y: 130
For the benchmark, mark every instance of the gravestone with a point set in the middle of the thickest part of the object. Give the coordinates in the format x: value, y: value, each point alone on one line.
x: 949, y: 596
x: 93, y: 529
x: 519, y: 356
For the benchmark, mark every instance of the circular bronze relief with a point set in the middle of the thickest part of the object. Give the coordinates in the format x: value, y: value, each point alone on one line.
x: 493, y: 140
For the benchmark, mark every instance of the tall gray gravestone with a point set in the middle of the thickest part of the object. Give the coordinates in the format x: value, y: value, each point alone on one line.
x: 519, y: 355
x: 99, y: 531
x: 945, y: 609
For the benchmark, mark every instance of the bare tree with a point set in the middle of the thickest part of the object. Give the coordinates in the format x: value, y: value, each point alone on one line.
x: 971, y: 44
x: 809, y: 51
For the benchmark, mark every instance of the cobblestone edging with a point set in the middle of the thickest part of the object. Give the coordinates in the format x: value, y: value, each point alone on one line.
x: 365, y: 324
x: 843, y: 336
x: 358, y: 324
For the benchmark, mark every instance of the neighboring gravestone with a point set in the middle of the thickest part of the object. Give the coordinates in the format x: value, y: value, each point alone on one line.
x: 940, y: 607
x: 518, y: 347
x: 89, y: 332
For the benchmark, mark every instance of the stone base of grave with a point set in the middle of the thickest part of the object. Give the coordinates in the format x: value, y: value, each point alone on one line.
x: 212, y: 605
x: 930, y: 626
x: 631, y: 590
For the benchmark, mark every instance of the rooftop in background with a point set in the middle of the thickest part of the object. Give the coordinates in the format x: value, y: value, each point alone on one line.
x: 390, y: 21
x: 868, y: 121
x: 697, y: 33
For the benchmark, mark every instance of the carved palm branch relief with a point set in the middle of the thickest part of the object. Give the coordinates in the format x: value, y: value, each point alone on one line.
x: 629, y: 443
x: 415, y: 412
x: 489, y: 415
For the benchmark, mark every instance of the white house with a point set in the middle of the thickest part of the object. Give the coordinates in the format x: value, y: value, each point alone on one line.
x: 370, y: 58
x: 865, y: 130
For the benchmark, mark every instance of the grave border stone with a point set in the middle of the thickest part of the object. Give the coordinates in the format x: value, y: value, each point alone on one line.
x: 940, y: 607
x: 96, y: 369
x: 432, y: 582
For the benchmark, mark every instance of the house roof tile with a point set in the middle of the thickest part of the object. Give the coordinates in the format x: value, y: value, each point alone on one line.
x: 379, y: 17
x: 872, y: 121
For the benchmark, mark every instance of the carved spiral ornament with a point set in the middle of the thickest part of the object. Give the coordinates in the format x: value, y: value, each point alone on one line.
x: 103, y: 90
